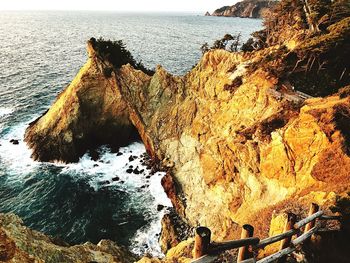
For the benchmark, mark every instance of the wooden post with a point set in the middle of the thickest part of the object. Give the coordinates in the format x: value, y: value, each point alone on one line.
x: 313, y: 209
x: 243, y: 252
x: 285, y: 243
x: 288, y: 226
x: 201, y: 241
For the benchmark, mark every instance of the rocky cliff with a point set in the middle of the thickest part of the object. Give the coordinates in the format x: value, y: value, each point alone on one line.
x: 246, y: 8
x: 236, y: 139
x: 21, y: 244
x: 88, y: 107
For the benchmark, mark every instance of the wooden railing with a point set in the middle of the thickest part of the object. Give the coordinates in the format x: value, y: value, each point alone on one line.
x: 206, y: 252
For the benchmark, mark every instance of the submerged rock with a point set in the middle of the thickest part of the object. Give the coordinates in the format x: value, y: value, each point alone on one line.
x: 160, y: 207
x: 132, y: 158
x: 21, y: 244
x: 14, y: 142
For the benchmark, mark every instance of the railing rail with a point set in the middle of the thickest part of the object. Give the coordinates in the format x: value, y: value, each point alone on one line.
x: 248, y: 244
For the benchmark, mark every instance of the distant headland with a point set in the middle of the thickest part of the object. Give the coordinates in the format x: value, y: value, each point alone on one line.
x: 246, y: 8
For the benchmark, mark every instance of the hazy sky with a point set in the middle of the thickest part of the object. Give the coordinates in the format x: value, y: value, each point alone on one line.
x: 124, y: 5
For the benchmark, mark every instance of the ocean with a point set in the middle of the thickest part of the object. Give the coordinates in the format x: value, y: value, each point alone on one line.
x: 40, y: 53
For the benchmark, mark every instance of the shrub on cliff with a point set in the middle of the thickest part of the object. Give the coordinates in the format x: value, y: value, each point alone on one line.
x: 313, y: 44
x: 228, y: 42
x: 115, y: 52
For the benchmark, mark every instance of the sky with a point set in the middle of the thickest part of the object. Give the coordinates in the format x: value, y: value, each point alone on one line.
x: 117, y: 5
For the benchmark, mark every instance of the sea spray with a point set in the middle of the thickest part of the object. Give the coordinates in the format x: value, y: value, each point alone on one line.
x: 65, y: 199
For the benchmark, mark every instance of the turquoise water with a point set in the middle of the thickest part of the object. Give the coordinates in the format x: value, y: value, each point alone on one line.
x: 40, y: 53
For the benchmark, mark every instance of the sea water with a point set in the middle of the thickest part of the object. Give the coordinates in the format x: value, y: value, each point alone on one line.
x: 40, y: 53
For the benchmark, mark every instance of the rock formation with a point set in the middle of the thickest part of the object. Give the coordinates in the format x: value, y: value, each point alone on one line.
x: 246, y: 8
x: 88, y: 107
x: 207, y: 14
x: 237, y: 141
x: 21, y: 244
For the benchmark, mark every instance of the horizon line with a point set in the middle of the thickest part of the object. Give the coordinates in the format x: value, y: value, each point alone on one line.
x: 107, y: 10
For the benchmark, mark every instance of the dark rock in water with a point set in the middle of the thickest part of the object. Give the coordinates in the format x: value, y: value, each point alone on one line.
x: 207, y: 14
x: 14, y: 142
x: 148, y: 176
x: 94, y: 155
x: 115, y: 179
x: 132, y: 157
x: 122, y: 182
x: 144, y: 186
x: 129, y: 171
x: 160, y: 207
x: 136, y: 171
x: 96, y: 165
x: 131, y: 166
x: 141, y: 171
x: 119, y: 153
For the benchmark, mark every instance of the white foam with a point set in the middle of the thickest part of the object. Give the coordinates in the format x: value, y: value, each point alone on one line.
x: 5, y: 111
x: 18, y: 163
x: 101, y: 173
x: 146, y: 238
x: 16, y: 158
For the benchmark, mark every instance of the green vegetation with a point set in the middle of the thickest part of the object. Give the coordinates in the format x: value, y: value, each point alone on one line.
x: 228, y: 42
x: 115, y: 53
x: 317, y: 62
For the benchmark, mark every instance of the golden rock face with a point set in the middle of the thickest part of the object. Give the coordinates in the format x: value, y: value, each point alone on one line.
x: 77, y: 121
x: 235, y: 153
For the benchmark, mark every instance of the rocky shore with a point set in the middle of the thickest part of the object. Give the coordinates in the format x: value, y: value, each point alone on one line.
x: 235, y: 152
x: 246, y: 8
x: 21, y: 244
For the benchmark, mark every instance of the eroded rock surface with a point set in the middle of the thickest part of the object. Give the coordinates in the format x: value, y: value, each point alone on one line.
x: 21, y: 244
x: 234, y: 150
x: 87, y: 108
